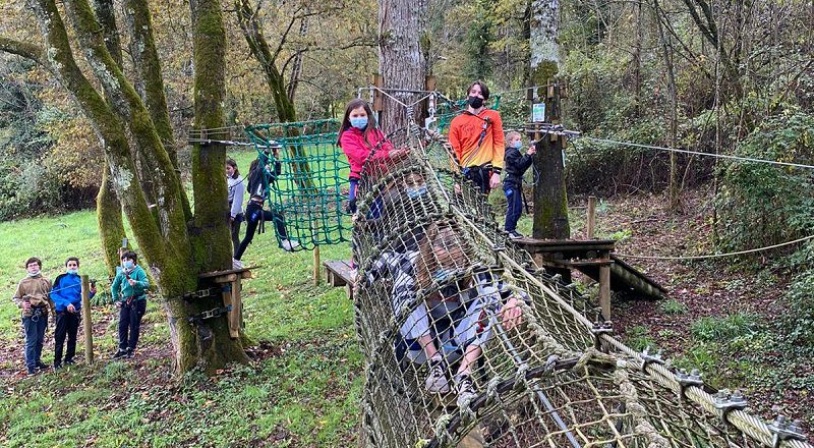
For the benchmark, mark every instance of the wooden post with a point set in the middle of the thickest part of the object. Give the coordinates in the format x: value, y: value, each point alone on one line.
x: 591, y: 217
x: 236, y: 317
x: 316, y: 266
x: 87, y: 325
x: 604, y: 287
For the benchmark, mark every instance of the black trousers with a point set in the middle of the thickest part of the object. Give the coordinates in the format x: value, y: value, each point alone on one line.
x: 130, y: 323
x: 480, y: 177
x: 235, y: 231
x: 254, y: 213
x: 67, y: 326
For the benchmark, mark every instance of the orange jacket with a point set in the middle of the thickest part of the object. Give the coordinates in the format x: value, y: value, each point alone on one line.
x: 465, y: 133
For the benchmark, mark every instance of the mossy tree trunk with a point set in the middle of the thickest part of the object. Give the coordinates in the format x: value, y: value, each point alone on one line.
x: 174, y: 252
x: 550, y: 197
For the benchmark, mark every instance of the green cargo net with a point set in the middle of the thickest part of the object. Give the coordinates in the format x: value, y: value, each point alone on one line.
x: 304, y: 172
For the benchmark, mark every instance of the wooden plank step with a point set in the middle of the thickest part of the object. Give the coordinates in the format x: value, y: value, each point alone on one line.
x: 339, y: 273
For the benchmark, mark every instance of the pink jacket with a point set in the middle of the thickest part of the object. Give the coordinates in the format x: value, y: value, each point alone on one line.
x: 356, y: 149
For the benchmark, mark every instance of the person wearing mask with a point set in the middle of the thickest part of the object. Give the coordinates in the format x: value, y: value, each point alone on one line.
x: 129, y: 292
x: 236, y: 190
x: 32, y: 297
x: 67, y: 297
x: 477, y: 138
x: 516, y: 165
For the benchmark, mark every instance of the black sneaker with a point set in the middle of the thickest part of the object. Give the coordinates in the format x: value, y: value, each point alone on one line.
x: 514, y: 234
x: 32, y: 371
x: 466, y: 390
x: 42, y: 366
x: 69, y: 362
x: 57, y: 366
x: 120, y: 354
x: 130, y: 353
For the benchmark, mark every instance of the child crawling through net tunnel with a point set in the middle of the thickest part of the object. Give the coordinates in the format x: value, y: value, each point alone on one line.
x: 451, y: 322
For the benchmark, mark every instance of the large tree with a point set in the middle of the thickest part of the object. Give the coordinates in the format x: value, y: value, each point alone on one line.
x: 550, y: 198
x: 177, y: 244
x: 403, y: 46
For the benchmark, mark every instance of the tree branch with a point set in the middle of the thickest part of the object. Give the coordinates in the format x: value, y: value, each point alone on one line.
x: 284, y: 37
x: 23, y: 49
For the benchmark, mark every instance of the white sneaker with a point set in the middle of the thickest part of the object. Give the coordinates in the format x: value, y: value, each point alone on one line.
x: 237, y: 264
x: 289, y: 245
x: 437, y: 379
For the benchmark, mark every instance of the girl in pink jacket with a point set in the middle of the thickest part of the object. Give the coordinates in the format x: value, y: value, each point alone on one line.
x: 358, y: 137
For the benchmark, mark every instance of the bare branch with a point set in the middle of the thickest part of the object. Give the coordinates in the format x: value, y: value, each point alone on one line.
x: 284, y: 37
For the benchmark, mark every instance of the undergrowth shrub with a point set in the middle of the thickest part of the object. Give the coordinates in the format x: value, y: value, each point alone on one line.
x: 797, y: 324
x: 762, y: 204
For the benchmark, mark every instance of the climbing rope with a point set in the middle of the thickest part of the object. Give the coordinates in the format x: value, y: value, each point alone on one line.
x: 709, y: 256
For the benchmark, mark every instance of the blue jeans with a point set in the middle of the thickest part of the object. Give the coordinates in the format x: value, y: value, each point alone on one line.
x: 34, y: 327
x: 514, y: 208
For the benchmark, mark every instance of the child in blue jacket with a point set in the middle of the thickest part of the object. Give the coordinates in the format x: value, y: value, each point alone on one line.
x: 67, y: 296
x: 129, y: 292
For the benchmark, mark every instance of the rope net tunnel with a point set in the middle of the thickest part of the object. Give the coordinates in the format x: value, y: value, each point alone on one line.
x: 304, y: 172
x: 465, y: 339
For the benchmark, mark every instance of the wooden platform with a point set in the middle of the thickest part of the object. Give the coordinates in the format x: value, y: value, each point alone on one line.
x: 339, y: 273
x: 231, y: 295
x: 594, y: 258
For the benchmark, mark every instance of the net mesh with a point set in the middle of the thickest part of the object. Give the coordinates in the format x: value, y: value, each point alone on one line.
x: 465, y: 338
x: 304, y: 172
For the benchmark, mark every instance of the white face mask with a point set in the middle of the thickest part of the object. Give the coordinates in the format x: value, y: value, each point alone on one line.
x: 34, y: 273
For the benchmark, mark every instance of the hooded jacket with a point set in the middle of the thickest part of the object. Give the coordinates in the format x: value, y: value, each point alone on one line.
x: 357, y: 150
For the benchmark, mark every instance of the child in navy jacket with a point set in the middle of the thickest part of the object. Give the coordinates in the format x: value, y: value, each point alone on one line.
x: 515, y: 165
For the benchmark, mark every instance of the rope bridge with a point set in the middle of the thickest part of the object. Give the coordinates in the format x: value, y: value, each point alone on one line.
x: 467, y: 342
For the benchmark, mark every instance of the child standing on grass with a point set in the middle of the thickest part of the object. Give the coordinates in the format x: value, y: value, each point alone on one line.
x: 236, y: 190
x: 67, y: 297
x: 32, y: 296
x: 129, y: 292
x: 515, y: 165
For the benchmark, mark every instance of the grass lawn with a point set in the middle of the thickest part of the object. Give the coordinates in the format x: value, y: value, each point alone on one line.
x: 301, y: 390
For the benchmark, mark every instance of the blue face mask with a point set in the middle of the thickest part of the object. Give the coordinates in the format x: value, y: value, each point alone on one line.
x: 73, y: 271
x: 517, y: 144
x: 128, y: 264
x: 359, y: 122
x: 416, y: 192
x: 443, y: 275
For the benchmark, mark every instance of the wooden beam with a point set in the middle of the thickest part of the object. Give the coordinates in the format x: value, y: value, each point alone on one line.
x: 591, y: 217
x: 87, y: 324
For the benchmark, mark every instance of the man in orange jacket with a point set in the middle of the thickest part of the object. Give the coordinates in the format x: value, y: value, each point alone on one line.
x: 477, y: 138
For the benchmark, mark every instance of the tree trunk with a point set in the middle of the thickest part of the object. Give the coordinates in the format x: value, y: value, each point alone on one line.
x: 667, y: 51
x: 550, y: 197
x: 111, y: 225
x: 174, y: 254
x: 211, y: 240
x: 401, y: 59
x: 544, y: 28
